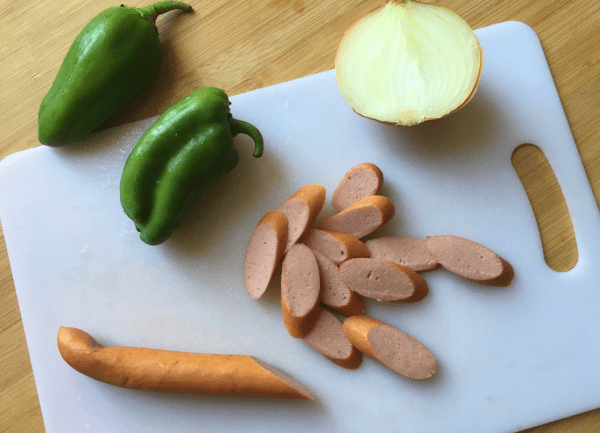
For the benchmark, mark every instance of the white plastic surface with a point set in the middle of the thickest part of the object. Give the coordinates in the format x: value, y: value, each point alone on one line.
x: 509, y: 358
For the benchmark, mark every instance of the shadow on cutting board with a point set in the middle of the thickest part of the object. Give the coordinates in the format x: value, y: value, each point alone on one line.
x: 454, y: 137
x: 465, y: 136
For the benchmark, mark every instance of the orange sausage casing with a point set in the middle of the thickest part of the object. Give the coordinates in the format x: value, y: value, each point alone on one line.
x: 362, y: 218
x: 264, y: 252
x: 182, y: 372
x: 391, y: 347
x: 361, y: 181
x: 470, y: 260
x: 301, y: 210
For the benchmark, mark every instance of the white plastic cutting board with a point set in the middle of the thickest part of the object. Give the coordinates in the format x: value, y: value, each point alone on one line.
x: 509, y: 358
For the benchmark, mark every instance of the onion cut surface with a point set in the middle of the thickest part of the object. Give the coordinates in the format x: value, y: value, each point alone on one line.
x: 407, y: 62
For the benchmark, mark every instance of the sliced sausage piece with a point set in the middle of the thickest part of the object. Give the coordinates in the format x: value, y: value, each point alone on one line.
x: 470, y: 260
x: 383, y: 280
x: 168, y: 371
x: 362, y: 218
x: 300, y: 290
x: 405, y: 251
x: 334, y: 292
x: 336, y: 246
x: 361, y: 181
x: 391, y: 347
x: 327, y: 336
x: 301, y: 210
x: 264, y: 252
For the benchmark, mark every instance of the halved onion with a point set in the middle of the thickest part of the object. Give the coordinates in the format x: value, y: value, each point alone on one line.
x: 407, y: 62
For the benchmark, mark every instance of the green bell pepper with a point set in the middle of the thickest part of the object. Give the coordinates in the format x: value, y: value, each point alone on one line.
x: 188, y: 147
x: 113, y: 58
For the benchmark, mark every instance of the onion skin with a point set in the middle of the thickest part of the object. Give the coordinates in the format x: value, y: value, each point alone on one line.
x: 425, y: 120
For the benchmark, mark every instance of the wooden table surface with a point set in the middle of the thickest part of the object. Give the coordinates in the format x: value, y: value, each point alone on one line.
x: 245, y: 45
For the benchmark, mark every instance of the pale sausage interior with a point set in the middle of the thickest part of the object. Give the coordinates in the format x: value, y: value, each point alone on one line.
x: 289, y: 380
x: 334, y: 292
x: 326, y: 244
x: 300, y: 281
x: 465, y: 257
x: 405, y: 251
x: 356, y: 222
x: 297, y: 214
x: 260, y: 259
x: 376, y: 279
x: 327, y: 336
x: 401, y: 352
x: 360, y: 183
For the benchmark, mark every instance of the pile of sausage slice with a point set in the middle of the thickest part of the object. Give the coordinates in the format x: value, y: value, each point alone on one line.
x: 328, y: 269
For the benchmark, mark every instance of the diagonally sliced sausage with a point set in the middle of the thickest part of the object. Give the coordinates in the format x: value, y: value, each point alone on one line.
x: 300, y: 290
x: 362, y: 218
x: 327, y: 336
x: 391, y: 347
x: 405, y: 251
x: 361, y: 181
x: 264, y: 252
x: 169, y: 371
x: 470, y: 260
x: 301, y: 210
x: 383, y: 280
x: 334, y: 292
x: 336, y: 246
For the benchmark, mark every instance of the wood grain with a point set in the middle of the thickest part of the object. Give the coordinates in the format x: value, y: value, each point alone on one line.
x: 244, y: 45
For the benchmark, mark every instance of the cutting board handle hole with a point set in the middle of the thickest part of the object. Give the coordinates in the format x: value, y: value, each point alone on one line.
x: 549, y: 207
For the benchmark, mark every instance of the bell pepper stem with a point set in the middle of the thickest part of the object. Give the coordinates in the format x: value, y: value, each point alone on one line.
x: 161, y: 7
x: 241, y: 127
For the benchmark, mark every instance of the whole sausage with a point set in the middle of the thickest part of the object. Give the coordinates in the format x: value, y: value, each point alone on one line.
x: 169, y: 371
